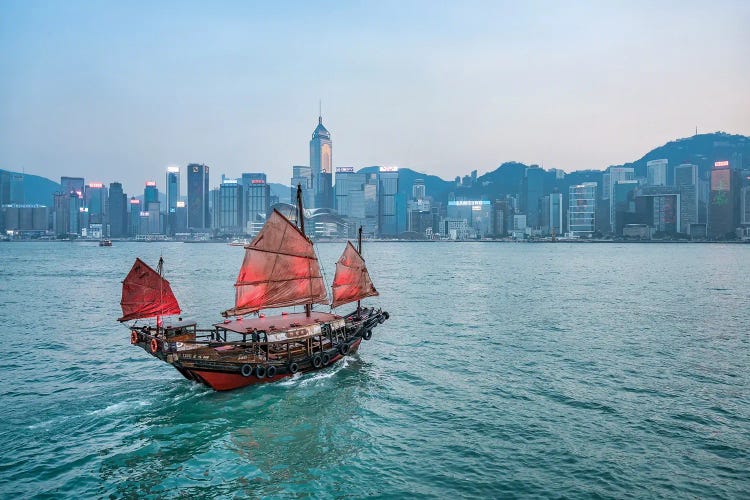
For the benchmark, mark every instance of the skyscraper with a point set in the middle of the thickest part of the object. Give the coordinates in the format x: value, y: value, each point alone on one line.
x: 198, y: 209
x: 617, y: 174
x: 302, y: 176
x: 173, y: 196
x: 721, y: 203
x: 320, y: 164
x: 96, y: 201
x: 555, y: 215
x: 388, y: 201
x: 257, y: 201
x: 686, y: 180
x: 72, y: 185
x: 582, y: 209
x: 134, y: 222
x: 656, y: 172
x: 117, y: 212
x: 533, y: 190
x: 227, y: 206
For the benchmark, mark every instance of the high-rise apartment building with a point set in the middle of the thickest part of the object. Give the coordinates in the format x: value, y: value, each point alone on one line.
x: 533, y: 191
x: 555, y: 214
x: 197, y: 197
x: 321, y: 151
x: 582, y: 209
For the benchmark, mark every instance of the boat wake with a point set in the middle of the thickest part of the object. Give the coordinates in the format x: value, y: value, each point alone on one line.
x: 305, y: 379
x: 119, y: 407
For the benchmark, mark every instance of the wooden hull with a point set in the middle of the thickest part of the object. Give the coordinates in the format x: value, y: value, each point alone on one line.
x: 227, y: 381
x: 225, y: 366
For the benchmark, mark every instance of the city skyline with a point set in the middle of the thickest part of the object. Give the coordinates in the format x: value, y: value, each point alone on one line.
x: 572, y: 87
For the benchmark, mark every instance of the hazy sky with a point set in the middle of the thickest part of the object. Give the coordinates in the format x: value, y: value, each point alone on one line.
x: 118, y: 91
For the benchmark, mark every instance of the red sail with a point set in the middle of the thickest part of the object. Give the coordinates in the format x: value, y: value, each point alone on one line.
x: 280, y: 270
x: 352, y: 281
x: 146, y: 294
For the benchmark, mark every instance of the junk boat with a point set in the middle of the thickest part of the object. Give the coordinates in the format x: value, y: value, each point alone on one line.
x: 280, y: 269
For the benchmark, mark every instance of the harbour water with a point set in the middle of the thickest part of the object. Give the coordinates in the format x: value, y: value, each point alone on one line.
x: 505, y: 370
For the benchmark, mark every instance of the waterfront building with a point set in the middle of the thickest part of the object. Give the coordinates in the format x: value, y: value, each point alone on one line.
x: 173, y: 196
x: 96, y: 197
x: 457, y: 229
x: 388, y: 202
x: 499, y: 211
x: 533, y: 191
x: 228, y: 213
x: 23, y: 219
x: 477, y: 213
x: 623, y: 199
x: 117, y: 211
x: 582, y: 209
x: 616, y: 174
x: 180, y: 219
x: 656, y: 172
x: 721, y: 202
x: 150, y: 193
x: 197, y: 197
x: 554, y: 211
x: 60, y: 214
x: 686, y: 181
x: 257, y: 201
x: 659, y: 208
x: 302, y: 176
x: 135, y: 217
x: 321, y: 155
x: 153, y: 216
x: 371, y: 194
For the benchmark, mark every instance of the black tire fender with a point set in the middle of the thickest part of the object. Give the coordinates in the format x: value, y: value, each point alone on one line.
x: 246, y: 370
x: 326, y: 358
x: 344, y: 349
x: 367, y: 335
x: 317, y: 360
x: 270, y: 371
x: 260, y: 371
x: 293, y: 367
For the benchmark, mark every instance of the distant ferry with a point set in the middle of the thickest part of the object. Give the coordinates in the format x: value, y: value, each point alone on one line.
x: 239, y: 243
x: 105, y: 243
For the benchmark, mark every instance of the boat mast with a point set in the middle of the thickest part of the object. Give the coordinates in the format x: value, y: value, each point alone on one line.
x: 359, y: 249
x: 301, y: 224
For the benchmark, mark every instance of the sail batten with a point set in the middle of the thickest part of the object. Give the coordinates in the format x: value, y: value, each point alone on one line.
x: 280, y: 269
x: 352, y: 281
x: 146, y: 294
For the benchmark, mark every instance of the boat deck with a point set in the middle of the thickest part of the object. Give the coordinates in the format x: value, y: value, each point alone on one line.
x: 276, y: 323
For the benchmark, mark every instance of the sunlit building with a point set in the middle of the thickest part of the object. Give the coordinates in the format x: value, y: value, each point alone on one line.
x: 320, y: 166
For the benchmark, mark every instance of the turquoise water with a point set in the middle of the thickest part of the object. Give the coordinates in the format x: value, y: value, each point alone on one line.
x: 505, y: 370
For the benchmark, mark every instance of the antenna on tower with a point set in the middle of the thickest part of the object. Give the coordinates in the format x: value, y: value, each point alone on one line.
x: 320, y: 110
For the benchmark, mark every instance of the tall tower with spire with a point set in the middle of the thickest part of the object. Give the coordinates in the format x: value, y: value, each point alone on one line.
x: 320, y: 164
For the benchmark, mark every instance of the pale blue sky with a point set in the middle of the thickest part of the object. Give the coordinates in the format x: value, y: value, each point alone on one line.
x: 118, y: 91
